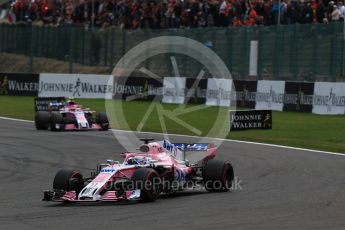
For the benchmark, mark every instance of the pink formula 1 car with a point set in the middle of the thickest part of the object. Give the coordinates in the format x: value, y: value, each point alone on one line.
x: 70, y: 116
x: 158, y: 168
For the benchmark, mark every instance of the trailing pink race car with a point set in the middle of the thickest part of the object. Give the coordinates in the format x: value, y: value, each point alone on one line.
x: 159, y: 167
x: 69, y: 116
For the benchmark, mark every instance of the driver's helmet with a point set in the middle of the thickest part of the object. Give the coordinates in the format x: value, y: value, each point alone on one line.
x: 70, y: 101
x: 136, y: 161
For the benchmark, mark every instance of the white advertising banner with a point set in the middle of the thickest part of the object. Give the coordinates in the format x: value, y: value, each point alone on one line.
x: 174, y: 90
x: 218, y: 92
x: 329, y: 98
x: 253, y: 58
x: 75, y: 85
x: 270, y: 95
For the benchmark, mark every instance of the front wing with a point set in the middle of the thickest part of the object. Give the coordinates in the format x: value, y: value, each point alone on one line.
x: 73, y: 127
x: 109, y: 196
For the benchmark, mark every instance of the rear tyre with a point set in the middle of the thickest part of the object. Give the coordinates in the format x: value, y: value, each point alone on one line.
x: 102, y: 120
x: 68, y: 180
x: 218, y: 175
x: 56, y: 119
x: 42, y: 120
x: 147, y: 180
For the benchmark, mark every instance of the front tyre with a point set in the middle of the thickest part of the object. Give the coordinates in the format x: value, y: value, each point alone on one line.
x: 102, y: 120
x: 218, y: 175
x: 147, y: 180
x: 42, y: 119
x: 68, y: 180
x: 55, y: 121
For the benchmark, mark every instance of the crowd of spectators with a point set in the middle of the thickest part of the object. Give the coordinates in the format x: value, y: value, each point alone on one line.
x: 156, y: 14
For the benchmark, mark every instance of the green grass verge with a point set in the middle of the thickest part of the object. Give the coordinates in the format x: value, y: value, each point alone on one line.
x: 289, y: 128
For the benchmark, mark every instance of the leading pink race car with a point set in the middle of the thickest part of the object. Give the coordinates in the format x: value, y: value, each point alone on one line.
x: 159, y: 167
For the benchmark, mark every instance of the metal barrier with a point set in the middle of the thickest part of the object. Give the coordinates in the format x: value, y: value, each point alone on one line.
x: 293, y: 52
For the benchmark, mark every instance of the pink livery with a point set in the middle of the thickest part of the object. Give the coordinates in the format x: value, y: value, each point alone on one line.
x: 159, y: 168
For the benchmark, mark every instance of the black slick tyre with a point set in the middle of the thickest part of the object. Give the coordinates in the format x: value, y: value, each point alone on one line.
x: 218, y: 175
x: 147, y: 180
x: 55, y: 119
x: 102, y: 120
x: 42, y: 119
x: 68, y: 180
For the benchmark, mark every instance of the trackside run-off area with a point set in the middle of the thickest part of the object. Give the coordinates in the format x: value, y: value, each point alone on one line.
x: 319, y: 132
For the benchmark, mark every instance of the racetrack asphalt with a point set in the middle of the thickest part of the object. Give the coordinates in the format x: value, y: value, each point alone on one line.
x: 281, y: 188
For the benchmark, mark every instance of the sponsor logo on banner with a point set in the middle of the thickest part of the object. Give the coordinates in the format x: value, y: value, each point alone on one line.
x: 250, y: 119
x: 174, y: 90
x: 329, y: 98
x: 49, y: 103
x: 196, y: 91
x: 246, y: 93
x: 218, y: 92
x: 18, y: 84
x: 75, y: 85
x: 138, y: 88
x: 270, y: 95
x: 298, y: 96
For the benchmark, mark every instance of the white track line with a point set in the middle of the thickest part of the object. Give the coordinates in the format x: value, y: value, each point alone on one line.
x: 15, y: 119
x: 221, y: 139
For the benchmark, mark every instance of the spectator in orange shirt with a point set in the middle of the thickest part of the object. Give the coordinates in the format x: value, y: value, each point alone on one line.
x: 236, y: 22
x: 251, y: 19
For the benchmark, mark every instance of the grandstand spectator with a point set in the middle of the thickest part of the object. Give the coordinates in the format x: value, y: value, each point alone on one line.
x: 223, y: 13
x: 325, y: 18
x: 341, y: 9
x: 268, y: 16
x: 251, y: 17
x: 156, y: 14
x: 291, y: 13
x: 275, y: 10
x: 335, y: 14
x: 320, y: 12
x: 236, y: 22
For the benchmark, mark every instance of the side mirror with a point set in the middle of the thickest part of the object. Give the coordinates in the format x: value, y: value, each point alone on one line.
x: 112, y: 162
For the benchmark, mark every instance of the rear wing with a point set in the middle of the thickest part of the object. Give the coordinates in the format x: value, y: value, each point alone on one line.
x: 196, y: 152
x: 193, y: 146
x: 49, y: 103
x: 193, y: 152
